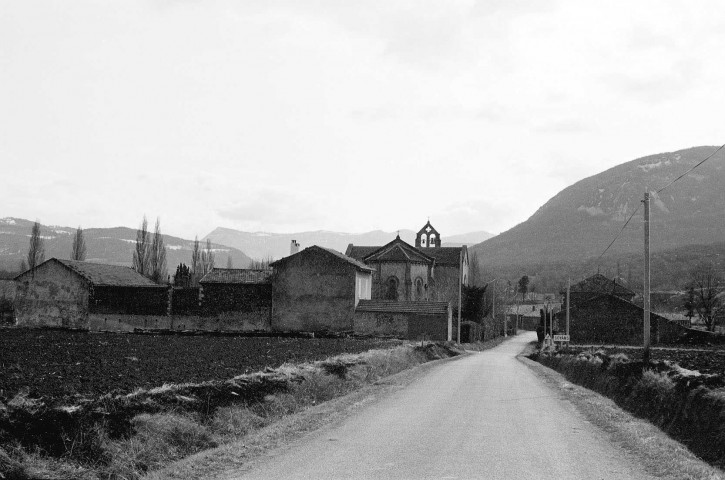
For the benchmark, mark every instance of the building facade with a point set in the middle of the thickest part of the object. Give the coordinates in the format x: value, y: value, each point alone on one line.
x: 317, y: 289
x: 424, y: 272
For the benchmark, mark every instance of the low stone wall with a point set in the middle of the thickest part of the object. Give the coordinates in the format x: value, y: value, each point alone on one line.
x: 402, y: 325
x: 224, y: 322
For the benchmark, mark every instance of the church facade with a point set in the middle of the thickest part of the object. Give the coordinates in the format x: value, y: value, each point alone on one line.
x: 424, y: 272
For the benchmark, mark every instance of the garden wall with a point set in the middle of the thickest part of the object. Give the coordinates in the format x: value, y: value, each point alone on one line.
x: 223, y: 322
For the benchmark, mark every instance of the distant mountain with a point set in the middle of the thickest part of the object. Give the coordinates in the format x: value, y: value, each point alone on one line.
x: 104, y: 245
x: 260, y: 245
x: 576, y: 225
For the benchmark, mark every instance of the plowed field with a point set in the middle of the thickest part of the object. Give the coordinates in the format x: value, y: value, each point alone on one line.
x: 55, y: 363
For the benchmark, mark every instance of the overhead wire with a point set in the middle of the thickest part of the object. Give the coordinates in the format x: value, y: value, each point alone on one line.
x: 656, y: 193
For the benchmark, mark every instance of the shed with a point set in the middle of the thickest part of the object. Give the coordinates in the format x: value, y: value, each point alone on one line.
x: 317, y: 289
x: 410, y: 320
x: 63, y: 293
x: 236, y: 290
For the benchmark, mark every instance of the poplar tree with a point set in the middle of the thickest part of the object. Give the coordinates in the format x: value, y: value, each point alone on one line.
x: 142, y: 250
x: 196, y: 265
x: 36, y: 250
x: 79, y: 246
x: 157, y: 261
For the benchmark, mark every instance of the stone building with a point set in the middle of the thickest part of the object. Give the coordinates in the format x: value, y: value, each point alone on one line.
x: 317, y: 289
x: 71, y: 294
x: 411, y: 320
x: 602, y: 312
x: 424, y: 272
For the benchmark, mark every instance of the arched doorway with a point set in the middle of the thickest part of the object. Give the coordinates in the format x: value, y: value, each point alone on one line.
x: 391, y: 288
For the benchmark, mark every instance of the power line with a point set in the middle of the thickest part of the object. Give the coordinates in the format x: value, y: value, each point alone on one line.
x: 656, y: 193
x: 620, y: 233
x: 692, y: 168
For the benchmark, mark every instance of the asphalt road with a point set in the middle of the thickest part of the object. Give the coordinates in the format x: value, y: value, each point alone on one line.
x: 485, y: 416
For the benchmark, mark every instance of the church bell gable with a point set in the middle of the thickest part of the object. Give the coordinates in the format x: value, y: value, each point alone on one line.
x: 428, y: 237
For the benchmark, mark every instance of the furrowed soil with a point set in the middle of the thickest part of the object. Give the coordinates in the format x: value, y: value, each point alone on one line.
x: 704, y: 360
x: 57, y: 364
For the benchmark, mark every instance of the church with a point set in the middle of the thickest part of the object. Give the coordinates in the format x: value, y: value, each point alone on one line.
x: 424, y: 272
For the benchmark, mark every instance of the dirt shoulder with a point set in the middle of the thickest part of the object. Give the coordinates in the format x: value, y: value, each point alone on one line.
x: 661, y: 455
x: 228, y: 461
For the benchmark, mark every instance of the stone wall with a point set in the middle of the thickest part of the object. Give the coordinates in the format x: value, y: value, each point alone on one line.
x: 53, y: 297
x: 221, y: 297
x: 445, y: 288
x: 129, y: 300
x: 403, y: 325
x: 224, y: 322
x: 313, y: 291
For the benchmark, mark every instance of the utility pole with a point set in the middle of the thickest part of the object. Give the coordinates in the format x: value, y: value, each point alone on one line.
x: 645, y: 354
x: 568, y: 294
x: 460, y: 287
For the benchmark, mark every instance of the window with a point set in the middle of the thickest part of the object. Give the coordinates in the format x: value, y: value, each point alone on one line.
x: 391, y: 290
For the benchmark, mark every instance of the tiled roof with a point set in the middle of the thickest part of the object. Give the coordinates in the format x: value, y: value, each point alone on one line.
x: 101, y: 275
x: 358, y: 253
x: 357, y: 264
x: 392, y: 306
x: 601, y: 284
x: 398, y: 251
x: 444, y: 255
x: 236, y: 275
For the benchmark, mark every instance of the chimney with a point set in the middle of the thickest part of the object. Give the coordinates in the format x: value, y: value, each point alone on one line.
x: 294, y: 247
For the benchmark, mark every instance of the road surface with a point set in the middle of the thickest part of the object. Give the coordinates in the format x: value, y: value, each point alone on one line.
x: 483, y: 416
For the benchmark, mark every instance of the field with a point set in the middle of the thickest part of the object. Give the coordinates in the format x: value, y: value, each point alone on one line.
x: 54, y: 363
x: 709, y: 360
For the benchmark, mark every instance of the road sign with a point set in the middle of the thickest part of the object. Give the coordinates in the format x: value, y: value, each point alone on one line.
x: 548, y: 337
x: 561, y: 338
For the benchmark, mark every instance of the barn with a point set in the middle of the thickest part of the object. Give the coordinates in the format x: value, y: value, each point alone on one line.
x: 68, y: 294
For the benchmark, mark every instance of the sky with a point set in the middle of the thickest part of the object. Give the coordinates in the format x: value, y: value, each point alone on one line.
x: 288, y: 116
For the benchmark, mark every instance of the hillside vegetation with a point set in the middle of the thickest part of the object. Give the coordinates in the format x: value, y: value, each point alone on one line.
x: 567, y: 234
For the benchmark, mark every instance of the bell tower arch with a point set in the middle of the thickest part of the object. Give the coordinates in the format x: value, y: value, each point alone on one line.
x: 428, y: 237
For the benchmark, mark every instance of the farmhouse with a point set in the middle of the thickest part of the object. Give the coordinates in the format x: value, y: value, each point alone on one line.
x: 66, y: 293
x: 424, y: 272
x: 317, y: 289
x: 601, y: 312
x: 411, y: 320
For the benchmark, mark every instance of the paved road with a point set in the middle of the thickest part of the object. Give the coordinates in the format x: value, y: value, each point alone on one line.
x: 484, y: 416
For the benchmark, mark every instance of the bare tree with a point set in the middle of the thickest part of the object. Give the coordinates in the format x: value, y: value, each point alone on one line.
x: 196, y: 266
x: 158, y: 270
x: 207, y: 258
x: 36, y: 250
x: 262, y: 264
x: 706, y: 283
x: 229, y: 261
x: 141, y: 253
x: 79, y: 246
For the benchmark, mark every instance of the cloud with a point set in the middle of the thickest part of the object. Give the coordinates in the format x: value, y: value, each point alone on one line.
x: 568, y: 125
x: 273, y: 206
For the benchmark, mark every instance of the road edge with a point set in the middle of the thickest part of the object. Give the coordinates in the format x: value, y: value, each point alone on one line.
x: 661, y: 455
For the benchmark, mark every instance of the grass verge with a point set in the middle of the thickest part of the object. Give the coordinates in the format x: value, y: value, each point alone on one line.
x: 128, y: 437
x: 652, y: 393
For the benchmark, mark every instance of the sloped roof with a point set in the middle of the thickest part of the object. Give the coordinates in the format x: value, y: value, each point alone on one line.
x: 448, y: 256
x: 445, y: 255
x: 100, y: 275
x: 341, y: 256
x: 358, y: 253
x: 616, y: 299
x: 598, y: 283
x: 392, y: 306
x: 237, y: 276
x: 398, y: 251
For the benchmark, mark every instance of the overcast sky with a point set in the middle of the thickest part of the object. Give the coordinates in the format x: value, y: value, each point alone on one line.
x: 295, y: 115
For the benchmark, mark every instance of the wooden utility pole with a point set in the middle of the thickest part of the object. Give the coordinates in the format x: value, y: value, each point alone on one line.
x: 645, y: 354
x: 568, y: 295
x: 460, y: 287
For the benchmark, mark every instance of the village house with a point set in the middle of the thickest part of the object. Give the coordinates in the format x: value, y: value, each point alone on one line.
x: 602, y: 312
x: 424, y: 272
x: 73, y: 294
x: 241, y: 299
x: 317, y: 289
